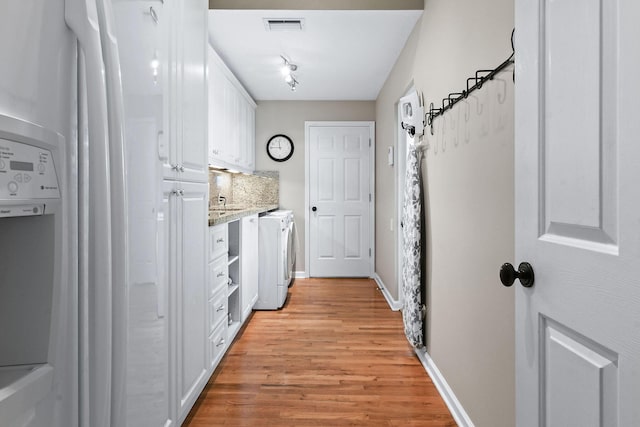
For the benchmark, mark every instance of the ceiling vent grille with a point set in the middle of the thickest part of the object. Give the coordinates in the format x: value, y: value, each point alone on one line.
x: 283, y: 24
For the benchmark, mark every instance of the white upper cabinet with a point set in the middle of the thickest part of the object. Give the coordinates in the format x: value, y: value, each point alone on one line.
x: 231, y: 119
x: 184, y: 149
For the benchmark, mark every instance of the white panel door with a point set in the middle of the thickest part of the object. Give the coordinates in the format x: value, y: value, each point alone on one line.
x: 339, y: 198
x: 578, y: 212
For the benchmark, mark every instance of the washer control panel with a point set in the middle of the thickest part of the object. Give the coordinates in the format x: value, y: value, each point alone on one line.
x: 26, y: 172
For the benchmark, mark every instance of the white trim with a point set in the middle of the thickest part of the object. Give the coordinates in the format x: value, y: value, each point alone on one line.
x: 394, y: 305
x: 300, y: 275
x: 450, y: 399
x: 372, y: 187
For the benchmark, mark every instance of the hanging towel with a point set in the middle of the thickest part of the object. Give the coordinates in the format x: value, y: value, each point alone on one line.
x: 412, y: 248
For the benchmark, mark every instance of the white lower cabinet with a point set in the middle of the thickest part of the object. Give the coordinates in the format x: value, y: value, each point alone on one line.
x: 233, y: 282
x: 217, y: 322
x: 249, y: 264
x: 186, y: 205
x: 217, y: 345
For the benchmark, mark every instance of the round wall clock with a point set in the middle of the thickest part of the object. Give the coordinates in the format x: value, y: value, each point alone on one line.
x: 280, y: 148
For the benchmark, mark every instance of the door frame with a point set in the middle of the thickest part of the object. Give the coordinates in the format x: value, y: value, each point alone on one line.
x: 372, y: 187
x: 400, y: 165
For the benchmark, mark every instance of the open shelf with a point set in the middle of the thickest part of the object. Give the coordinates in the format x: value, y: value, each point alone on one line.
x: 232, y: 288
x: 233, y: 292
x: 233, y: 329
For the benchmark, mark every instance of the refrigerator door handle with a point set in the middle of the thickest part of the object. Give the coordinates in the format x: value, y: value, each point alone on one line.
x: 119, y: 210
x: 95, y: 321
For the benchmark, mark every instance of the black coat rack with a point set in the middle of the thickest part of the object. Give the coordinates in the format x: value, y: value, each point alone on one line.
x: 478, y: 80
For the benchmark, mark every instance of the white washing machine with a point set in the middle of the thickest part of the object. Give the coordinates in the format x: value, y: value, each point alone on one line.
x: 277, y: 256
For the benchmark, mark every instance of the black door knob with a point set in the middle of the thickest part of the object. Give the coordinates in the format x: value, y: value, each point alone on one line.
x: 314, y: 209
x: 525, y: 273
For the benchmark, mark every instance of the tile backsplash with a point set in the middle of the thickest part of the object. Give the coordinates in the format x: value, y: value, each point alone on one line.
x: 259, y: 189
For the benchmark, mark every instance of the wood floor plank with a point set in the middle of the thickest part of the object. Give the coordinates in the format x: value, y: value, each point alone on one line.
x: 335, y: 355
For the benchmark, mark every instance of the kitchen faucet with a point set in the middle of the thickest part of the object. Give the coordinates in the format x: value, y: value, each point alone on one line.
x: 222, y: 199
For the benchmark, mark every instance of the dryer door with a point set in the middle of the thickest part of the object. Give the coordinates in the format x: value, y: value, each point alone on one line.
x: 291, y: 247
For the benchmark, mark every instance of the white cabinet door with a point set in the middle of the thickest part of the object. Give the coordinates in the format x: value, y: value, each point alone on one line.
x: 243, y: 133
x: 233, y: 115
x: 187, y: 142
x: 251, y: 155
x: 151, y: 372
x: 247, y: 138
x: 217, y: 122
x: 249, y: 264
x: 193, y: 79
x: 192, y: 291
x: 578, y: 213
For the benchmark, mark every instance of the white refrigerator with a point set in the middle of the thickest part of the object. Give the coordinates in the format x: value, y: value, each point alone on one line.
x: 84, y: 337
x: 59, y: 116
x: 63, y: 342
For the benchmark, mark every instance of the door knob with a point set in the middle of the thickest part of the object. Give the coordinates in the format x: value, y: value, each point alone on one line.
x: 525, y: 273
x: 314, y: 209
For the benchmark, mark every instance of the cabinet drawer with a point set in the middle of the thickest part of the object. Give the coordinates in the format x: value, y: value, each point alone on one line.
x: 218, y: 309
x: 218, y: 241
x: 218, y: 274
x: 217, y: 344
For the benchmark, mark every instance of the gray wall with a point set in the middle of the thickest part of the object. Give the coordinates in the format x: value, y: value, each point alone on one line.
x: 468, y: 182
x: 288, y: 117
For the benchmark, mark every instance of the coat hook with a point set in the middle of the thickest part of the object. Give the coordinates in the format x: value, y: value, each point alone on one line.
x: 481, y: 76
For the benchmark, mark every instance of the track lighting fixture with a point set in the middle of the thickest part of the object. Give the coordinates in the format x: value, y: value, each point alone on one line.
x: 287, y: 71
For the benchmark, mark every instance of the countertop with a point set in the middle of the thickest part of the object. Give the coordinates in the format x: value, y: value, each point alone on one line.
x: 222, y: 215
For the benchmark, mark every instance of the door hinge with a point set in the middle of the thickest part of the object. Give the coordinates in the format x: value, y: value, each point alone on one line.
x: 369, y: 197
x: 369, y: 142
x: 369, y: 252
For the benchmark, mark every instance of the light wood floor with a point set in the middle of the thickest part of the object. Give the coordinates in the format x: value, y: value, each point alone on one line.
x: 335, y: 355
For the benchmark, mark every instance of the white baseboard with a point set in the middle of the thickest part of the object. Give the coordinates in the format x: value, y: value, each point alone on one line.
x: 450, y: 399
x: 395, y: 305
x: 300, y: 275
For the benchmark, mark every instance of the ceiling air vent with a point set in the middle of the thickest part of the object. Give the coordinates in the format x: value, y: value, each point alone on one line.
x: 283, y: 24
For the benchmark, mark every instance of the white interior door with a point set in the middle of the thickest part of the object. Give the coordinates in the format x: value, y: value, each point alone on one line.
x: 340, y: 198
x: 578, y: 212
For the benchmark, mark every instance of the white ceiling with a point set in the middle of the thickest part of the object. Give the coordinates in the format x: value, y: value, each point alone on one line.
x: 341, y: 54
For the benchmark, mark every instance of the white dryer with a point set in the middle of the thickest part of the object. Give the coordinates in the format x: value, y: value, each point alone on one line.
x: 277, y: 254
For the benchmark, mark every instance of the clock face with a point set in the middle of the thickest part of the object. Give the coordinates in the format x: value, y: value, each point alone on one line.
x: 280, y: 148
